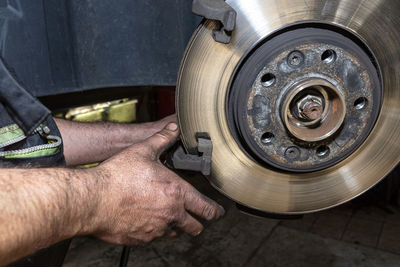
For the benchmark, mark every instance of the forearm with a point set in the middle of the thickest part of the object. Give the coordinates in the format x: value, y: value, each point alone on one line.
x: 129, y: 199
x: 94, y: 142
x: 40, y: 207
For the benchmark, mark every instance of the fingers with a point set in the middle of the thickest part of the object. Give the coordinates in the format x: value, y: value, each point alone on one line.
x: 162, y: 140
x: 158, y: 125
x: 201, y: 205
x: 170, y: 118
x: 190, y: 225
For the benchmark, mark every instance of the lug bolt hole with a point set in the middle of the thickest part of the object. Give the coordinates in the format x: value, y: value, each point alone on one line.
x: 267, y: 138
x: 360, y: 103
x: 329, y: 56
x: 268, y: 79
x: 323, y: 151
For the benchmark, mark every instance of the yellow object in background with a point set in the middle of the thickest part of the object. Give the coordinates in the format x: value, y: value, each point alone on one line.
x: 90, y: 116
x: 123, y: 111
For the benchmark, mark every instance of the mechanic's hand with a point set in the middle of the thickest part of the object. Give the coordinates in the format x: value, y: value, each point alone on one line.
x: 160, y: 124
x: 142, y: 199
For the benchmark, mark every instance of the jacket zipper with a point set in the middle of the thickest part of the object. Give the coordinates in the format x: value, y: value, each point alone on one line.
x: 13, y: 141
x: 43, y: 131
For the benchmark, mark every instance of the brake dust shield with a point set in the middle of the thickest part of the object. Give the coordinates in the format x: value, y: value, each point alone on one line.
x: 301, y: 106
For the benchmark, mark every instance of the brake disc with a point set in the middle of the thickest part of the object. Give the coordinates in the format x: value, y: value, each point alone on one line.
x: 301, y: 106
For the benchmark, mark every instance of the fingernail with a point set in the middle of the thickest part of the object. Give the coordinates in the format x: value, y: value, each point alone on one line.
x: 172, y: 127
x: 197, y: 233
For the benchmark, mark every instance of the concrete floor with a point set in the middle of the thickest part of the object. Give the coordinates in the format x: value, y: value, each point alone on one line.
x: 348, y: 235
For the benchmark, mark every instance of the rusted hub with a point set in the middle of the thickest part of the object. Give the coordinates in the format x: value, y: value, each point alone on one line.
x: 305, y: 99
x: 313, y: 110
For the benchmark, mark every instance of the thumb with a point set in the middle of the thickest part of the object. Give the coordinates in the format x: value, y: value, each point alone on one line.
x: 162, y: 140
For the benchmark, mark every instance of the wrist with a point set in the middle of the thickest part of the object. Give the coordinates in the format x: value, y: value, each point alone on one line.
x: 138, y: 132
x: 88, y: 190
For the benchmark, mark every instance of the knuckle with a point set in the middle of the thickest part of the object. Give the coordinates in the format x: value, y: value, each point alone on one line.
x: 149, y: 230
x: 208, y: 212
x: 146, y: 151
x: 182, y: 220
x: 160, y: 233
x: 165, y: 136
x: 174, y: 191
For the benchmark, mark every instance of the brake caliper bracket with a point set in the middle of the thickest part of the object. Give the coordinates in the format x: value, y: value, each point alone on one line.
x: 220, y: 11
x: 200, y: 162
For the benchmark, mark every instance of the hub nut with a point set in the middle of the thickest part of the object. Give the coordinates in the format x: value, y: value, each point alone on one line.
x: 310, y: 107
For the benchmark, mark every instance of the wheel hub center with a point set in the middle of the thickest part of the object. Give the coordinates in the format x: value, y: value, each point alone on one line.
x: 313, y: 110
x: 305, y: 99
x: 309, y: 108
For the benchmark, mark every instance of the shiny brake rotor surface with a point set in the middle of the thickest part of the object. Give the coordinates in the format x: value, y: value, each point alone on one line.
x: 205, y: 81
